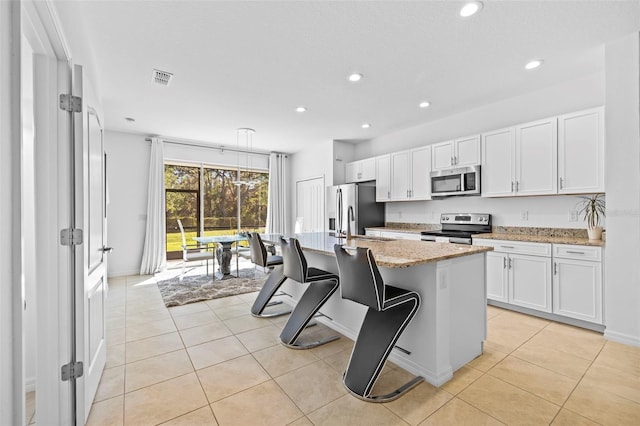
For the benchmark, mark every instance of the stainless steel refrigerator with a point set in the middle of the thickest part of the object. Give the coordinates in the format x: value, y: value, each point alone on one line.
x: 353, y: 206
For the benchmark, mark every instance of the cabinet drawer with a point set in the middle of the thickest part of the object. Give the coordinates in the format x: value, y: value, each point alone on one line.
x: 567, y: 251
x: 401, y: 235
x: 519, y: 247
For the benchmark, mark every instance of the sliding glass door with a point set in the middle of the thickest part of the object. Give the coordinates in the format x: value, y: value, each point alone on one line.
x: 208, y: 202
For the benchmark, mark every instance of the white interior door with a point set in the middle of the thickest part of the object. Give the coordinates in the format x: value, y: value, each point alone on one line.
x: 310, y: 205
x: 91, y: 284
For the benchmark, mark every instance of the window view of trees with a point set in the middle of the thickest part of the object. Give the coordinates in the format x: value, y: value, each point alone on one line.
x: 219, y: 215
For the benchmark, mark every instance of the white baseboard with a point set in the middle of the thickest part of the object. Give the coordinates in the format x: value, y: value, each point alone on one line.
x: 115, y: 274
x: 627, y: 339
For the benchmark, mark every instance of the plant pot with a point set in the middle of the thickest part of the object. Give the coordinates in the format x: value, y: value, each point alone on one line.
x: 595, y: 233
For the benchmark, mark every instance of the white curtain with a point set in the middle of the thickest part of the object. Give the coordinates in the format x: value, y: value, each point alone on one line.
x: 277, y: 215
x: 154, y: 253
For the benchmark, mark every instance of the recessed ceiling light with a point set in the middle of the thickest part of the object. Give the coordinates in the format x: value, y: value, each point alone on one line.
x: 424, y: 104
x: 366, y: 125
x: 470, y: 8
x: 130, y: 119
x: 534, y: 64
x: 355, y: 77
x: 301, y: 109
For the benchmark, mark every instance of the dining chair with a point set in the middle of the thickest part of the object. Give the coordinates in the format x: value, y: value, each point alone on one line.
x: 260, y: 257
x: 390, y: 310
x: 191, y: 252
x: 321, y: 285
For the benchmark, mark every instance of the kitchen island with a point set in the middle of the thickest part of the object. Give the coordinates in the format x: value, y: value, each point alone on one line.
x: 449, y: 329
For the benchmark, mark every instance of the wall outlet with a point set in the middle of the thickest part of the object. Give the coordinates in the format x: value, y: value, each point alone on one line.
x: 573, y: 216
x: 524, y: 215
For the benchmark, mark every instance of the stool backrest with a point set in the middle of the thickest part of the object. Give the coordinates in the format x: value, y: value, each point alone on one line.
x: 360, y: 279
x: 258, y: 250
x: 294, y: 262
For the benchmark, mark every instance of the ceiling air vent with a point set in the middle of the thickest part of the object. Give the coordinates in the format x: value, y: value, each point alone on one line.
x: 161, y: 77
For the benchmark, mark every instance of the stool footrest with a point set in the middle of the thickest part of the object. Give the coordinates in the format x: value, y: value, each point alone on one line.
x: 391, y: 395
x: 312, y: 344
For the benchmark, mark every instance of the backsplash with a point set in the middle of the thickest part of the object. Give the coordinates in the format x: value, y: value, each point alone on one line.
x: 541, y: 232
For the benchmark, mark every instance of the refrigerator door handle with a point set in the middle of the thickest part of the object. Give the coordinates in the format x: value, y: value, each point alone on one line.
x: 339, y: 204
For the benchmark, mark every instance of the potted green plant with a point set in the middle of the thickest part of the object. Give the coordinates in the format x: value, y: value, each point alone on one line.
x: 593, y: 210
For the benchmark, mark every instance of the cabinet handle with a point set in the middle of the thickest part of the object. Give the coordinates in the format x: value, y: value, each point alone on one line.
x: 455, y: 159
x: 575, y: 252
x: 555, y: 268
x: 452, y: 163
x: 509, y: 263
x: 561, y: 182
x: 517, y: 186
x: 507, y: 247
x: 504, y: 263
x: 511, y: 186
x: 411, y: 193
x: 389, y: 195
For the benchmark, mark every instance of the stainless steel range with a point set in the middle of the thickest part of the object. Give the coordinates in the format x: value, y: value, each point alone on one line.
x: 459, y: 227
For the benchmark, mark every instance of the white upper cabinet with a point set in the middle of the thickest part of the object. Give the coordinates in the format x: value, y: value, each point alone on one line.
x: 410, y: 175
x: 400, y: 178
x: 383, y: 178
x: 360, y: 171
x: 459, y: 152
x: 442, y: 155
x: 467, y: 151
x: 498, y: 163
x: 521, y: 160
x: 420, y: 170
x: 581, y: 152
x: 537, y: 158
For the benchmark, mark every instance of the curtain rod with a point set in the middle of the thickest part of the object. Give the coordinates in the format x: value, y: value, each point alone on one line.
x: 222, y: 148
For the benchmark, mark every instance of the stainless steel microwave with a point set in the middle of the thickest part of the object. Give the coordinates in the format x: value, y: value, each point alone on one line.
x: 458, y: 181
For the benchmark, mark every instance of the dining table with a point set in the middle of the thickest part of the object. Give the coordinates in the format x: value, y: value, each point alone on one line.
x: 223, y: 252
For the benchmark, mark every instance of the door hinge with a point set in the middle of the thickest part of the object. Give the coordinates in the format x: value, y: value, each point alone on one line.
x: 72, y: 371
x: 71, y: 237
x: 70, y: 103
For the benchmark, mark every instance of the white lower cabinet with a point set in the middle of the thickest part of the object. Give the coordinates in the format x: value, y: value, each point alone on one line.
x: 530, y: 282
x: 519, y: 279
x: 577, y: 283
x: 561, y: 279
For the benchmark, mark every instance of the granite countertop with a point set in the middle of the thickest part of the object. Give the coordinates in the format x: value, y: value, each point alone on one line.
x: 582, y: 241
x: 389, y: 253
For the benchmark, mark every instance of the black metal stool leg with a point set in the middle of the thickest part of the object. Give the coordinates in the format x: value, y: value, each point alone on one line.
x: 269, y: 288
x: 379, y: 333
x: 311, y: 301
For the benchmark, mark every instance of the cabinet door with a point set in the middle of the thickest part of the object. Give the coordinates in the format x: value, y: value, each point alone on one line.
x: 537, y: 158
x: 498, y: 163
x: 581, y: 152
x: 496, y: 264
x: 367, y: 169
x: 401, y: 235
x: 400, y: 175
x: 383, y: 178
x: 577, y: 289
x: 351, y: 172
x: 466, y: 151
x: 441, y: 156
x: 530, y: 281
x: 420, y: 167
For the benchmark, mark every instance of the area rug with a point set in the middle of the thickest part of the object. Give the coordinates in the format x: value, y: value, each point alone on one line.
x: 196, y: 288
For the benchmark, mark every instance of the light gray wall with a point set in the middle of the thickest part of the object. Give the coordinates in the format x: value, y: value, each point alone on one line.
x: 622, y: 179
x: 127, y: 180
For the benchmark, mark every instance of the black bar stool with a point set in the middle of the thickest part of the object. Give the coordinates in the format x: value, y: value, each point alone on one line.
x: 390, y: 311
x: 260, y: 257
x: 322, y: 285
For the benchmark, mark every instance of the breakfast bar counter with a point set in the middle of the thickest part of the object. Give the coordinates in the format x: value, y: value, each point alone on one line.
x: 450, y: 326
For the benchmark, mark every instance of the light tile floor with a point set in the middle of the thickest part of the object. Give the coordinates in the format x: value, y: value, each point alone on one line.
x: 212, y: 363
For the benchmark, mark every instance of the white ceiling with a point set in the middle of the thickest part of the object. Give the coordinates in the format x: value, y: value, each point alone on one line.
x: 251, y: 63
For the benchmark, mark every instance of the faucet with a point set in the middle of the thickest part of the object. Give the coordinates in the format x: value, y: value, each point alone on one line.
x: 350, y: 217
